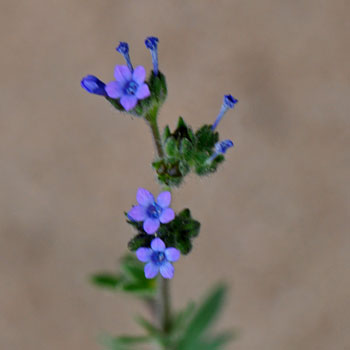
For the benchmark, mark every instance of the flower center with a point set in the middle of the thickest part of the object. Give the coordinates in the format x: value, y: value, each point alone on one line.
x: 158, y: 258
x: 131, y: 87
x: 154, y: 211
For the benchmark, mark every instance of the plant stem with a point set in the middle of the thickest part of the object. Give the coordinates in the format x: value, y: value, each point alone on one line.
x: 163, y: 294
x: 152, y: 122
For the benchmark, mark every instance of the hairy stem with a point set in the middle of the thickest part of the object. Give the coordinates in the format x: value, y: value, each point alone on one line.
x: 152, y: 122
x: 163, y: 310
x: 164, y: 316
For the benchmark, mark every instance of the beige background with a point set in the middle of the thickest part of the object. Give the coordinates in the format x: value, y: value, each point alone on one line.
x: 274, y: 218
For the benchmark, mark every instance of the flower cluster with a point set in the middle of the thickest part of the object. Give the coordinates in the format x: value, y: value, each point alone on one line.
x: 152, y: 213
x: 129, y: 85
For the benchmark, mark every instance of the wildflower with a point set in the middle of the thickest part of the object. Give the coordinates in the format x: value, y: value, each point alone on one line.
x: 220, y: 148
x: 229, y: 102
x: 123, y: 48
x: 152, y: 44
x: 152, y: 212
x: 129, y: 86
x: 93, y: 85
x: 158, y: 259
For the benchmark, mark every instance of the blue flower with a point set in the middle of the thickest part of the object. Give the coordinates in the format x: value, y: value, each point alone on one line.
x: 93, y: 85
x: 220, y: 148
x: 152, y: 212
x: 229, y: 102
x: 129, y: 86
x: 123, y: 48
x: 158, y: 259
x: 152, y: 44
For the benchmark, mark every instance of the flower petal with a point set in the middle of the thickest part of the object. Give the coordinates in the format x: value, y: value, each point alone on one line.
x: 158, y: 245
x: 128, y: 102
x: 144, y: 197
x: 167, y: 216
x: 144, y: 254
x: 137, y: 213
x: 143, y: 92
x: 167, y: 270
x: 122, y: 74
x: 172, y: 254
x: 151, y: 270
x: 151, y: 225
x: 114, y: 89
x: 139, y: 74
x: 164, y: 199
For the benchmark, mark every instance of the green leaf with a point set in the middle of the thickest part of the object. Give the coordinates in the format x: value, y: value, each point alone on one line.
x: 203, y: 317
x: 143, y: 290
x: 131, y: 279
x: 106, y: 280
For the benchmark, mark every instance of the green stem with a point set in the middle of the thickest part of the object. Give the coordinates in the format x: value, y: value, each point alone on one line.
x: 152, y: 122
x: 163, y: 296
x: 164, y: 316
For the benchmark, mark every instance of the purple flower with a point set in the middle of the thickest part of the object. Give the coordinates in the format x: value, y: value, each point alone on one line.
x: 123, y: 48
x: 93, y: 85
x: 220, y: 148
x: 129, y: 86
x: 158, y: 259
x: 152, y: 212
x: 229, y: 102
x: 152, y: 44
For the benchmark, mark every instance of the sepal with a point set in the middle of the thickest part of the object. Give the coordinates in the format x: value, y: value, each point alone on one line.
x: 158, y: 87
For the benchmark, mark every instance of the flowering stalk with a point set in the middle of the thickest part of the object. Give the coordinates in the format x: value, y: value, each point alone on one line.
x: 163, y: 304
x: 161, y: 234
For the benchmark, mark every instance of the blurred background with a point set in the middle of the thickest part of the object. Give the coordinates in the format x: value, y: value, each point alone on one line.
x: 274, y: 217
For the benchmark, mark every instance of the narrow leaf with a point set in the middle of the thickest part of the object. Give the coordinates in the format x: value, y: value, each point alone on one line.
x: 106, y: 280
x: 204, y: 317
